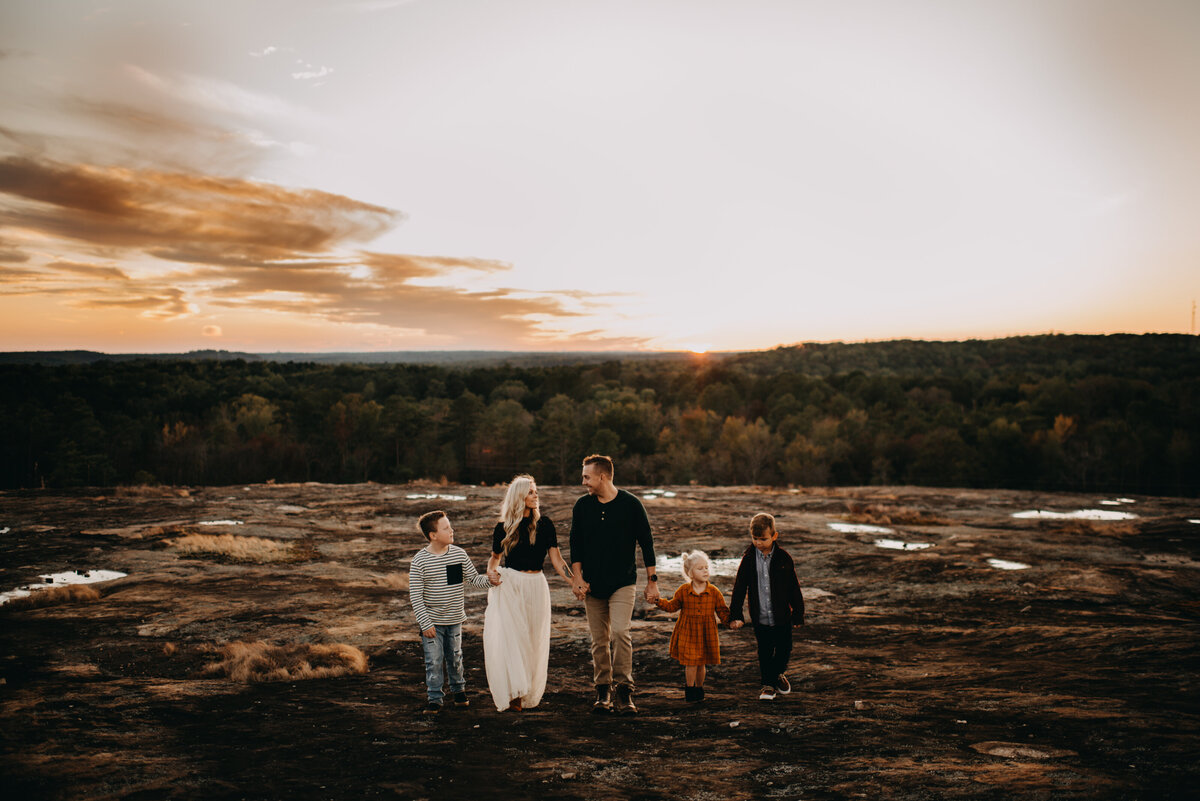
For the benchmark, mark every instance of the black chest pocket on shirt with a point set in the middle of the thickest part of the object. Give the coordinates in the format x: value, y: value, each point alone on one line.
x: 454, y: 574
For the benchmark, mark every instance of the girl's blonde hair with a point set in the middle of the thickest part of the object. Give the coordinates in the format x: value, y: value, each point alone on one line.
x: 512, y: 512
x: 690, y: 559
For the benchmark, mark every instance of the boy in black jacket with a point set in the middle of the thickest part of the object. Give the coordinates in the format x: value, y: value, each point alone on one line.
x: 768, y: 576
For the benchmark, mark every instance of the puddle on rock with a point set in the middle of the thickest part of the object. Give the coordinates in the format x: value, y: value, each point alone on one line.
x: 61, y: 580
x: 900, y: 545
x: 650, y: 495
x: 1117, y: 502
x: 220, y: 523
x: 1079, y: 514
x: 860, y: 528
x: 1004, y: 564
x: 673, y: 566
x: 433, y: 496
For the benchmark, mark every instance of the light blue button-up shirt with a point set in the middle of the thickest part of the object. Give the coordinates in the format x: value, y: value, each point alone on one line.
x: 766, y: 614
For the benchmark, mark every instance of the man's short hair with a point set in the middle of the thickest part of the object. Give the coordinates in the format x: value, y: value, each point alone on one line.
x: 428, y: 522
x: 603, y: 463
x: 762, y: 524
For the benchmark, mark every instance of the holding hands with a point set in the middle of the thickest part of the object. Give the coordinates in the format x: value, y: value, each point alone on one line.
x: 735, y: 624
x: 493, y: 576
x: 579, y: 587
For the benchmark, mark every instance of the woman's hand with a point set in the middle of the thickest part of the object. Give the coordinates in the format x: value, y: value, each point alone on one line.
x: 735, y: 624
x: 494, y: 578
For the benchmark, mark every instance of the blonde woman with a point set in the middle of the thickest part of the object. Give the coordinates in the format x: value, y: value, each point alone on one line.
x: 516, y: 625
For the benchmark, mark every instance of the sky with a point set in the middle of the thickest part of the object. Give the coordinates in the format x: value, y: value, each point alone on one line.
x: 293, y: 175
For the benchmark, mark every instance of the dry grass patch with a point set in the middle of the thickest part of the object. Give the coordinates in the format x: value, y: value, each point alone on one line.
x: 146, y: 491
x: 54, y: 596
x: 258, y: 661
x: 231, y: 546
x: 882, y: 515
x: 392, y: 581
x: 1090, y: 528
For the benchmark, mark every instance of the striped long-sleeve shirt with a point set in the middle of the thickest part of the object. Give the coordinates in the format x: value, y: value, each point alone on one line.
x: 436, y: 584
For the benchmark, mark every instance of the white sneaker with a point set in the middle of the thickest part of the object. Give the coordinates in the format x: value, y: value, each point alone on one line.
x: 767, y: 693
x: 784, y: 685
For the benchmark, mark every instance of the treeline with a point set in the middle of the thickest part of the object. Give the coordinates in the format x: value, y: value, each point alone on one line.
x: 1103, y: 414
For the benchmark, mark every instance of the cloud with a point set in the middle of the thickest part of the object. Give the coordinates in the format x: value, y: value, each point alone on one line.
x: 148, y: 208
x: 211, y: 331
x: 165, y: 305
x: 311, y: 73
x: 88, y: 270
x: 212, y: 94
x: 250, y: 246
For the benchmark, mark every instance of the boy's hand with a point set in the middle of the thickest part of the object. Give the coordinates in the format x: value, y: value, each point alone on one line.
x: 735, y: 624
x: 429, y: 632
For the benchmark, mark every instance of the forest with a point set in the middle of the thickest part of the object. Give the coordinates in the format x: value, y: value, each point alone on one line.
x: 1116, y: 413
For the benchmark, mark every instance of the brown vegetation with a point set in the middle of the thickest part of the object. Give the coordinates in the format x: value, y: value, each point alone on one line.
x: 241, y: 549
x: 53, y: 596
x: 258, y: 661
x: 881, y: 515
x: 142, y: 491
x: 1090, y: 528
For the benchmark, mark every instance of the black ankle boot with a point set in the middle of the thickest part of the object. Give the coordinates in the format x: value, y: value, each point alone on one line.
x: 700, y: 693
x: 689, y: 693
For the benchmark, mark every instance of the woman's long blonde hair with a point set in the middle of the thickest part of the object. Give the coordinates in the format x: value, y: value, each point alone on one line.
x: 512, y: 512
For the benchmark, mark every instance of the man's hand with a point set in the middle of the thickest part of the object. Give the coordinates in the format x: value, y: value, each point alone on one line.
x: 652, y: 593
x: 735, y: 624
x: 429, y: 632
x: 580, y: 588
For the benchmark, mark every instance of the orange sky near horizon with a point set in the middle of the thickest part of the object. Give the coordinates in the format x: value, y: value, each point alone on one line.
x: 663, y: 175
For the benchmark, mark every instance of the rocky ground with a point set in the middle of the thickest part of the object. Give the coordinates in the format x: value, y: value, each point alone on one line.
x: 922, y: 673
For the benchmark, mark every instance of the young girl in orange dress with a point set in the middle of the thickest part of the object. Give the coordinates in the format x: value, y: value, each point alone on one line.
x: 694, y: 643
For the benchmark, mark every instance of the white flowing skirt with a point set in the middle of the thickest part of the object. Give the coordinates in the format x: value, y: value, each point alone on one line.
x: 516, y: 638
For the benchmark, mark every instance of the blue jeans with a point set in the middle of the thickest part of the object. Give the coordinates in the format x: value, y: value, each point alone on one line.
x: 443, y: 654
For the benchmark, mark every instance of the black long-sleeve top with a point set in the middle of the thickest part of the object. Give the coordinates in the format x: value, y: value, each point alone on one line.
x: 604, y: 540
x: 787, y: 602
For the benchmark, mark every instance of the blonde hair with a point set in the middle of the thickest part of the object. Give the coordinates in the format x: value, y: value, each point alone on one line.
x: 512, y: 512
x: 690, y: 558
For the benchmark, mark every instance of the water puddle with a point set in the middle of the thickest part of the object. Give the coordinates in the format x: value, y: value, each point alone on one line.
x: 289, y: 509
x: 900, y: 545
x: 1194, y: 521
x: 220, y: 523
x: 61, y: 580
x: 5, y: 530
x: 1004, y: 564
x: 433, y: 496
x: 1079, y: 514
x: 860, y: 528
x: 673, y: 566
x: 1117, y: 502
x: 657, y: 493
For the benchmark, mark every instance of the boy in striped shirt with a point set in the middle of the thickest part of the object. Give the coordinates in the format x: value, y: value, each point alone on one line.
x: 436, y: 584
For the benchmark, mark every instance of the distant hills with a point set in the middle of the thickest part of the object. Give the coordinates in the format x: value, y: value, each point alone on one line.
x: 460, y: 358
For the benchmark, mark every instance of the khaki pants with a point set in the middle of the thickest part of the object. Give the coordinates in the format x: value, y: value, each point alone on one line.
x: 609, y: 620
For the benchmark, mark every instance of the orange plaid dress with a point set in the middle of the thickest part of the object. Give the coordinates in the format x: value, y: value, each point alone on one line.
x: 695, y: 641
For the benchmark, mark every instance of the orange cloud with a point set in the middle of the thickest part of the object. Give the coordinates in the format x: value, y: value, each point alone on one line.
x: 89, y: 270
x: 249, y: 246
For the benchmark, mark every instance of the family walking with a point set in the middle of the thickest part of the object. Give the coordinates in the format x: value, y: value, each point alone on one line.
x: 608, y: 527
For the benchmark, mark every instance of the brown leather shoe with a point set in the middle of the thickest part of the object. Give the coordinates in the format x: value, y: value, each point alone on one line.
x: 603, y: 703
x: 624, y: 704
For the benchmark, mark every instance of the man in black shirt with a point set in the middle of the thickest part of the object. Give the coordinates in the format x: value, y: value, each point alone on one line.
x: 607, y: 525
